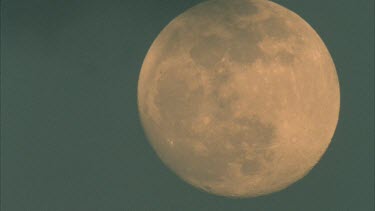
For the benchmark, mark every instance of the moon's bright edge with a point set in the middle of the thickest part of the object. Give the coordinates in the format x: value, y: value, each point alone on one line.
x: 239, y: 98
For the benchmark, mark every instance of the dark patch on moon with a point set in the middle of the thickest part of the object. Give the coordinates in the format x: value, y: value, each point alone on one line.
x: 267, y: 154
x: 224, y: 103
x: 170, y: 46
x: 285, y: 58
x: 208, y: 51
x: 176, y: 102
x: 275, y: 27
x: 206, y: 168
x: 259, y: 137
x: 250, y: 167
x: 255, y: 132
x: 243, y: 47
x: 213, y: 164
x: 242, y: 9
x: 221, y: 75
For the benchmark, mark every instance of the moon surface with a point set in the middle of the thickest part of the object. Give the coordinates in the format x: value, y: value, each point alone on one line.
x: 239, y: 98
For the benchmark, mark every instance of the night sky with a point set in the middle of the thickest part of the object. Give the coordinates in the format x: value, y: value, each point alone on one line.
x: 71, y: 137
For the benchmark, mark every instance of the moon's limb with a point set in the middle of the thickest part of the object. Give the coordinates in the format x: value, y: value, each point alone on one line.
x: 240, y: 98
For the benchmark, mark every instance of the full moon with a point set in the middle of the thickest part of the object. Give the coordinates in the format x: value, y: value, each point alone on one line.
x: 239, y: 98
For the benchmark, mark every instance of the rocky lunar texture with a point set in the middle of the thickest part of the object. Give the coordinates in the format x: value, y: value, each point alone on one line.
x: 239, y: 98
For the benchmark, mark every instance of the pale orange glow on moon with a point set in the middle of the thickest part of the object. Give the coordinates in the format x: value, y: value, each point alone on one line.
x: 239, y: 98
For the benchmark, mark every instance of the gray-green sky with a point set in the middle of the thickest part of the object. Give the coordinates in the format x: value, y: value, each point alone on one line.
x: 70, y: 132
